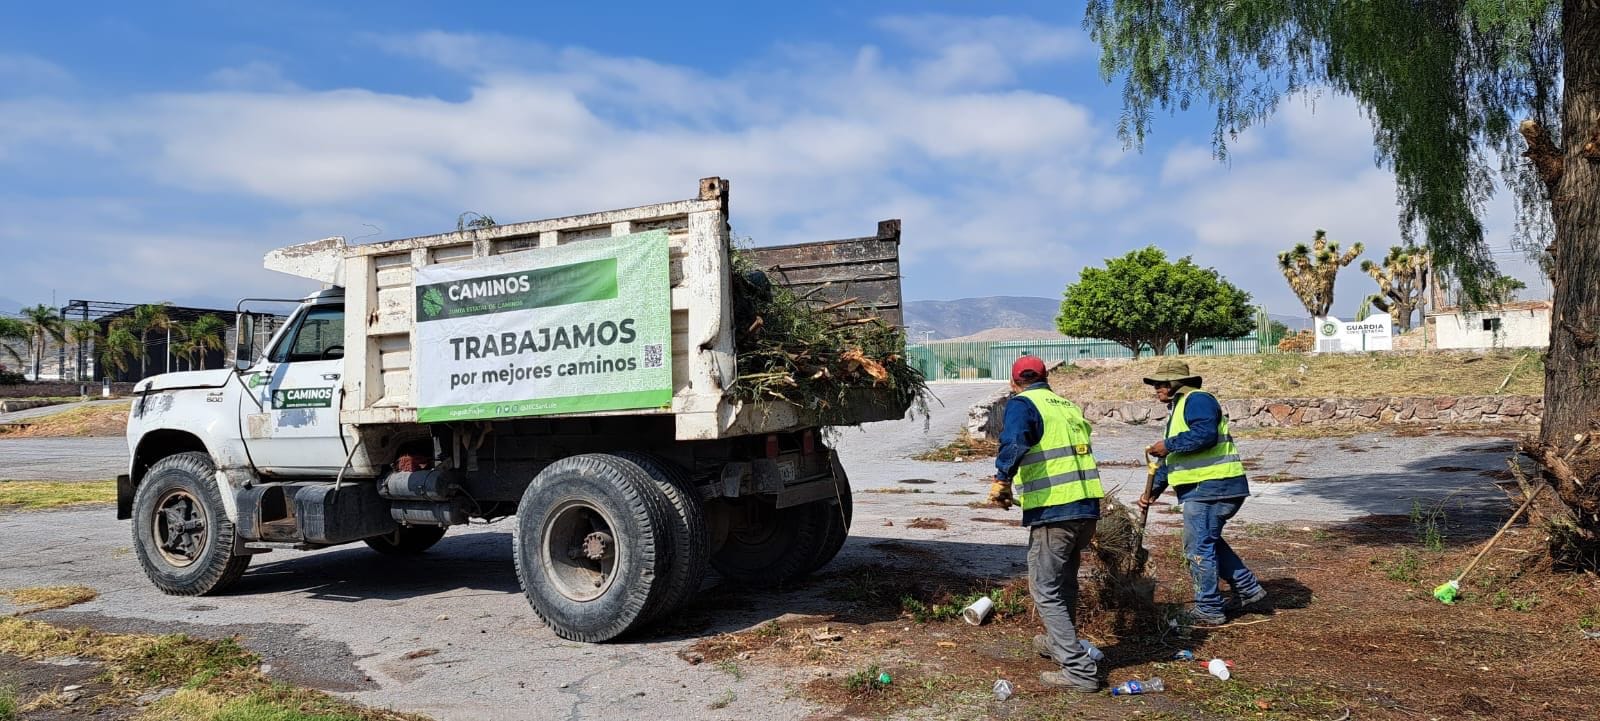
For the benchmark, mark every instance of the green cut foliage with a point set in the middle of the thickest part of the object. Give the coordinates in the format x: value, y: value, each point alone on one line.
x: 1142, y: 300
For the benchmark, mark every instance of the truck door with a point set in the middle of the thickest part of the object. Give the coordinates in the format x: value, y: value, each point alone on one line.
x: 291, y: 419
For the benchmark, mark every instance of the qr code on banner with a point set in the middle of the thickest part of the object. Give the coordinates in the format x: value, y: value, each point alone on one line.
x: 652, y: 356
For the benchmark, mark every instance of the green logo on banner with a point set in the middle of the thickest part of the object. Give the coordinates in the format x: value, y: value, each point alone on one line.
x: 524, y: 290
x: 284, y: 398
x: 432, y: 302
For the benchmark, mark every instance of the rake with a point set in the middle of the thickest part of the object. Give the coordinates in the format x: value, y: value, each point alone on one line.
x: 1446, y: 592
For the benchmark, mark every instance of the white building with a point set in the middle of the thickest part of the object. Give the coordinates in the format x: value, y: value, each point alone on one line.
x: 1520, y: 324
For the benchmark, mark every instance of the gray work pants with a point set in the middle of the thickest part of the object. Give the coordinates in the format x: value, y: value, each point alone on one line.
x: 1054, y: 551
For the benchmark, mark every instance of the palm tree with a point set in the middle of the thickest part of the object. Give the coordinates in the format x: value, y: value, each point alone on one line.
x: 143, y: 319
x: 80, y: 333
x: 201, y: 335
x: 42, y: 323
x: 12, y: 331
x: 119, y: 345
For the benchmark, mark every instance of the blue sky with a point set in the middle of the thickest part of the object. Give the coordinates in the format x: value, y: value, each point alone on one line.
x: 155, y: 154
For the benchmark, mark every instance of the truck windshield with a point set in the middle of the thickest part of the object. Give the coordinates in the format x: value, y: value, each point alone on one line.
x: 319, y: 335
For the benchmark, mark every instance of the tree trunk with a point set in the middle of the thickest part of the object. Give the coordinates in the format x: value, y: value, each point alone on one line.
x: 1572, y: 373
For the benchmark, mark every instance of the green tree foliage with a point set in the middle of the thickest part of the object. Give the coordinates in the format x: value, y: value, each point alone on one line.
x: 1455, y: 91
x: 42, y: 324
x: 1312, y: 269
x: 117, y: 350
x: 13, y: 334
x: 1141, y: 299
x: 1504, y: 289
x: 82, y: 333
x: 140, y: 322
x: 199, y: 336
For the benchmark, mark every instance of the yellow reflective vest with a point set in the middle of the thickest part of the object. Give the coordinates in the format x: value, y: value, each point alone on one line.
x: 1060, y: 468
x: 1218, y: 461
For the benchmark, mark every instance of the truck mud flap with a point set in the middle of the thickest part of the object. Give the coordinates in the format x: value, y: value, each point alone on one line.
x: 124, y: 497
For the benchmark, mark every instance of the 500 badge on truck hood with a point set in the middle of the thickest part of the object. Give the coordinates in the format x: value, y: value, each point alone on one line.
x: 302, y: 398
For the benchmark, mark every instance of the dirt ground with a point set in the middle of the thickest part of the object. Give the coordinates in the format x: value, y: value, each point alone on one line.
x: 1351, y: 626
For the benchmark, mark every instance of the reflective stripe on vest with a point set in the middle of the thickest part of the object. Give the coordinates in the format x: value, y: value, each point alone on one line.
x: 1219, y: 461
x: 1060, y: 468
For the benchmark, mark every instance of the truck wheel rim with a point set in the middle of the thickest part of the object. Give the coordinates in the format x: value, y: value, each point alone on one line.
x: 573, y: 533
x: 179, y: 527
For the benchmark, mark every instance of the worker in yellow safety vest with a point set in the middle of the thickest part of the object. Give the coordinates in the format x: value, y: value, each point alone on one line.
x: 1045, y: 465
x: 1201, y: 463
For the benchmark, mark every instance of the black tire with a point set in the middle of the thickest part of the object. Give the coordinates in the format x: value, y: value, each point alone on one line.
x: 837, y: 513
x: 766, y: 546
x: 567, y: 506
x: 406, y: 540
x: 691, y: 537
x: 181, y: 534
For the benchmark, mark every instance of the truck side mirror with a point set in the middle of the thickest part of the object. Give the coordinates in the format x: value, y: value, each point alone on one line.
x: 244, y: 330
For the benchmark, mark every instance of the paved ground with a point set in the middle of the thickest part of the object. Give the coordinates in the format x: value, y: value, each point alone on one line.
x: 342, y: 618
x: 61, y: 459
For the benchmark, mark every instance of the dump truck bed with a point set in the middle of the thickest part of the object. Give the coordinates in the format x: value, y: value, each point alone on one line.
x: 381, y: 300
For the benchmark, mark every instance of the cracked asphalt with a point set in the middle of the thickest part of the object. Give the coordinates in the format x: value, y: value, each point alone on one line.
x: 345, y: 619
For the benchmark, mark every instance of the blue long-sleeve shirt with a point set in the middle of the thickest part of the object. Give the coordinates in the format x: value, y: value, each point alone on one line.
x: 1203, y: 414
x: 1023, y: 429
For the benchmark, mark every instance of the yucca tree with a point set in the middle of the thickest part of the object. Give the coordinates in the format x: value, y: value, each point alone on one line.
x: 12, y: 334
x: 117, y: 349
x: 43, y: 324
x: 200, y: 335
x: 1311, y: 271
x: 82, y: 332
x: 143, y: 319
x: 1402, y: 282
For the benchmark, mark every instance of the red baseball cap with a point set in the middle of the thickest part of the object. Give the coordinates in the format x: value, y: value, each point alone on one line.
x: 1027, y: 364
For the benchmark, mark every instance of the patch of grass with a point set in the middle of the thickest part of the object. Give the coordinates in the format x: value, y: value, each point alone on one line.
x: 1520, y: 604
x: 41, y: 495
x: 963, y: 493
x: 1404, y: 568
x: 109, y: 419
x: 964, y: 448
x: 1333, y: 375
x: 1239, y: 699
x: 722, y: 702
x: 8, y: 703
x: 864, y: 681
x: 731, y: 667
x: 1009, y: 602
x: 1426, y: 522
x: 769, y: 630
x: 219, y: 680
x: 1590, y: 621
x: 44, y: 598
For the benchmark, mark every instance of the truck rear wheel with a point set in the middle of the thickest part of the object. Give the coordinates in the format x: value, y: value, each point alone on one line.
x: 691, y: 543
x: 593, y: 546
x: 767, y: 546
x: 181, y: 535
x: 406, y: 540
x: 837, y: 515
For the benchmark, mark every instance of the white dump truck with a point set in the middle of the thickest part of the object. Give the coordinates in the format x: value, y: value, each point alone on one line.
x: 572, y: 373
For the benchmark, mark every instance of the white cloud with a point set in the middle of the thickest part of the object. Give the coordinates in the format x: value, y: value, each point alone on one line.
x: 255, y: 75
x: 28, y: 73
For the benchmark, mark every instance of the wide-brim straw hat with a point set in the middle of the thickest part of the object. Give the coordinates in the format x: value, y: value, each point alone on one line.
x: 1169, y: 371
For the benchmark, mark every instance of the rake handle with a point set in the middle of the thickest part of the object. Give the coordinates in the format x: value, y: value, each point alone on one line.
x: 1496, y: 538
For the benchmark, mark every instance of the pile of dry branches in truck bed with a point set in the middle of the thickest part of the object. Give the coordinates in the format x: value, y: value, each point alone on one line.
x: 815, y: 354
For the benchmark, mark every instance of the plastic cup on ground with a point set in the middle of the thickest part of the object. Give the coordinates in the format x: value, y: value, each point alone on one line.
x: 1219, y: 668
x: 978, y: 611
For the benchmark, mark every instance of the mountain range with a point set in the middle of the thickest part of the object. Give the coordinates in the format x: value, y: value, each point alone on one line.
x: 945, y: 319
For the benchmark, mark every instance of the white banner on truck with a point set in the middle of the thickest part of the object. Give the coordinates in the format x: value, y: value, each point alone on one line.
x: 568, y: 329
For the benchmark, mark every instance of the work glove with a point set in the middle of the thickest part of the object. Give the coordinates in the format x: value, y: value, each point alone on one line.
x: 1000, y: 493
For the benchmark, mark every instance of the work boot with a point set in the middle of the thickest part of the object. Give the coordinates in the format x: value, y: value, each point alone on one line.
x: 1042, y: 646
x: 1202, y: 619
x: 1058, y: 679
x: 1239, y: 603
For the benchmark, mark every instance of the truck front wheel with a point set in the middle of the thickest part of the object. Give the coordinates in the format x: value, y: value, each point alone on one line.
x: 593, y: 547
x: 183, y: 538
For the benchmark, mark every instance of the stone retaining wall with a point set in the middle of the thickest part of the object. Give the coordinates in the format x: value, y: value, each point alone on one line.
x: 1523, y: 411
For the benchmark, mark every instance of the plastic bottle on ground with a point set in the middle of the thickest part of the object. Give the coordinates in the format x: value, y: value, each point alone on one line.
x: 1095, y: 654
x: 1002, y: 690
x: 1184, y: 655
x: 1135, y: 687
